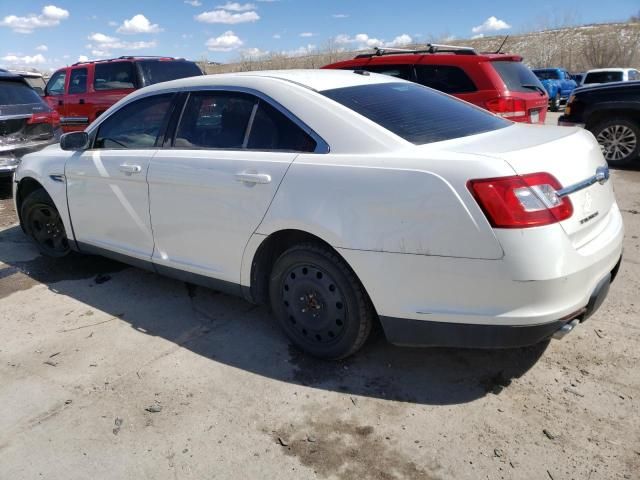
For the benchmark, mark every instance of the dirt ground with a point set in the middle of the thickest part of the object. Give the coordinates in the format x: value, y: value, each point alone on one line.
x: 111, y: 372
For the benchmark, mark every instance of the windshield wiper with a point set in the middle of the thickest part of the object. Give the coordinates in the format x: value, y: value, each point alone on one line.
x: 535, y: 87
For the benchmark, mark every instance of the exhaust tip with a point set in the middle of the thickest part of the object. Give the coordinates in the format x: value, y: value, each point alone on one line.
x: 565, y: 329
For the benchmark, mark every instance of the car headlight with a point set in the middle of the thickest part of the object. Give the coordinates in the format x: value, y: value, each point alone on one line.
x: 8, y: 161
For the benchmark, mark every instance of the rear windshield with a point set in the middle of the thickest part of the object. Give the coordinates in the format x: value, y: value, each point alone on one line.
x: 418, y: 114
x: 517, y: 77
x: 603, y: 77
x: 547, y: 74
x: 17, y: 93
x: 156, y: 71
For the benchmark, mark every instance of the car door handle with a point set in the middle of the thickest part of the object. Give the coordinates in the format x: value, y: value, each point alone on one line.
x: 129, y: 169
x: 81, y: 101
x: 250, y: 177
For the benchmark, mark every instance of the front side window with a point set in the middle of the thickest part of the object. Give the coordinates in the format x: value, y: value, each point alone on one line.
x: 272, y: 130
x: 139, y: 124
x: 417, y: 114
x: 114, y: 76
x: 56, y: 83
x: 215, y: 120
x: 444, y: 78
x: 78, y: 81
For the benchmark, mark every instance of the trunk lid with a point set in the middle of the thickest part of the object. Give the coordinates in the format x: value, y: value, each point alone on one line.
x: 571, y: 155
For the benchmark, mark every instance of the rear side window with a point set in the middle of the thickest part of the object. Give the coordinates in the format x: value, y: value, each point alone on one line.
x: 272, y: 130
x: 397, y: 71
x: 215, y: 120
x: 156, y: 71
x: 78, y: 81
x: 517, y: 76
x: 56, y: 83
x: 417, y: 114
x: 17, y: 93
x: 114, y: 76
x: 444, y: 78
x: 603, y: 77
x: 136, y: 125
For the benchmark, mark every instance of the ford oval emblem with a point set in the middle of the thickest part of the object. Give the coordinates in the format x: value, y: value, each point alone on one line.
x: 602, y: 175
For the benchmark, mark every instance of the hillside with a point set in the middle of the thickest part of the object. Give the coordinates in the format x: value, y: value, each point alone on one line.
x: 575, y: 48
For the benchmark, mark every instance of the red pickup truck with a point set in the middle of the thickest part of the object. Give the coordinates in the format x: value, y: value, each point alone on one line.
x: 83, y: 91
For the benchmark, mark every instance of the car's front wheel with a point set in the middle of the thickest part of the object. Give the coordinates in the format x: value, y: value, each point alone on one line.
x: 43, y: 223
x: 619, y: 138
x: 555, y: 103
x: 319, y: 302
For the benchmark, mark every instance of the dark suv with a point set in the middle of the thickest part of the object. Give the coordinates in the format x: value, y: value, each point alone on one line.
x: 497, y: 82
x: 611, y: 111
x: 27, y: 123
x: 82, y: 92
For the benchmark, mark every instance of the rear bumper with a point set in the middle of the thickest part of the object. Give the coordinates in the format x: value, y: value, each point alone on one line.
x: 421, y: 333
x: 563, y: 121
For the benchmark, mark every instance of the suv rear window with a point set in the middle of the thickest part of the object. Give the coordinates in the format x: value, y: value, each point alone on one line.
x: 547, y: 74
x: 417, y: 114
x: 603, y: 77
x: 447, y: 79
x: 156, y: 71
x: 114, y: 76
x: 17, y: 93
x: 397, y: 71
x: 516, y: 76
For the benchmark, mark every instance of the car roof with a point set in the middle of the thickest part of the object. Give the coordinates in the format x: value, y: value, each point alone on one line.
x: 23, y: 73
x: 317, y: 80
x: 613, y: 69
x: 6, y: 75
x: 426, y: 58
x: 128, y: 59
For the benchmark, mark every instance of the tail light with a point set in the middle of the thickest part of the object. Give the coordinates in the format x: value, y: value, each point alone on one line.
x: 521, y: 201
x: 52, y: 118
x: 508, y: 107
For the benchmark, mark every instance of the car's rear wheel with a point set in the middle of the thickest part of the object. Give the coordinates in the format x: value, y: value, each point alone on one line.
x: 43, y: 223
x: 555, y: 103
x: 619, y: 138
x: 319, y: 302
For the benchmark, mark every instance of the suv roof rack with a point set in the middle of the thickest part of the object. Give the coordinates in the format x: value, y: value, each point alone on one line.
x: 430, y: 48
x: 127, y: 57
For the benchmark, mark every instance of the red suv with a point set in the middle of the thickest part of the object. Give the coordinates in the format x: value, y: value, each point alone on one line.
x: 83, y: 91
x: 500, y: 83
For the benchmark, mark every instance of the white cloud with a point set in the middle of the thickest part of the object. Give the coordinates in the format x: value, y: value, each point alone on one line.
x: 83, y: 58
x: 37, y: 59
x: 138, y: 24
x: 491, y: 24
x: 193, y: 3
x: 480, y: 35
x: 254, y: 52
x: 112, y: 23
x: 42, y: 48
x: 363, y: 40
x: 49, y: 17
x: 224, y: 43
x: 103, y: 44
x: 222, y: 16
x: 237, y: 7
x: 303, y: 50
x: 340, y: 15
x: 307, y: 34
x: 277, y: 36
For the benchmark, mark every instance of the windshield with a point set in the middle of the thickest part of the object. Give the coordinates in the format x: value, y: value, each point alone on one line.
x: 156, y: 71
x: 547, y: 74
x: 418, y: 114
x: 516, y: 75
x: 17, y: 93
x: 603, y: 77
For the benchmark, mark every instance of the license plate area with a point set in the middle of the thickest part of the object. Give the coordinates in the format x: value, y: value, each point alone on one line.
x: 534, y: 116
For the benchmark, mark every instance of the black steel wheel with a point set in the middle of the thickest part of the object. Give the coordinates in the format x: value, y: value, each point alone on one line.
x: 319, y: 302
x: 42, y: 222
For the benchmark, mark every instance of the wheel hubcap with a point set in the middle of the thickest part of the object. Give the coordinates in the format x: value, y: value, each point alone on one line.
x: 315, y: 306
x: 48, y: 230
x: 617, y: 142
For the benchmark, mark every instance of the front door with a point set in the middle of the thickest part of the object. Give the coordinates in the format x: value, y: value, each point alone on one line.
x: 107, y: 185
x: 211, y: 189
x: 76, y: 115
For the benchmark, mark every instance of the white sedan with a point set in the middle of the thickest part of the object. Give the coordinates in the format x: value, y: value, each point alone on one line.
x: 341, y: 199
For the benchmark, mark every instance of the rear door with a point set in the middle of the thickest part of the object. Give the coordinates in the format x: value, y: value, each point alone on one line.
x: 107, y: 186
x: 211, y: 188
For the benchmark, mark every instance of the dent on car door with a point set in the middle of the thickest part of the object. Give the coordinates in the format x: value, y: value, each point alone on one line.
x: 106, y: 185
x: 210, y: 190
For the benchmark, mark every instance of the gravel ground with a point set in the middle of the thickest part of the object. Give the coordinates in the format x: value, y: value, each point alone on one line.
x: 110, y: 372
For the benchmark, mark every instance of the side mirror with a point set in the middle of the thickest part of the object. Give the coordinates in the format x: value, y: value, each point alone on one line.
x: 74, y: 141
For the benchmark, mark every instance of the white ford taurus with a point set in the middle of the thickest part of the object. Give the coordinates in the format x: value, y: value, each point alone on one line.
x: 340, y: 198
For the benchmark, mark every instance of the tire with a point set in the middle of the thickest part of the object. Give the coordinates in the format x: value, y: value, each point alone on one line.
x: 619, y: 139
x: 555, y: 103
x: 43, y: 224
x: 319, y: 302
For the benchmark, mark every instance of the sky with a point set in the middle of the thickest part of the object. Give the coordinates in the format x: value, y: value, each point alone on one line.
x: 51, y: 34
